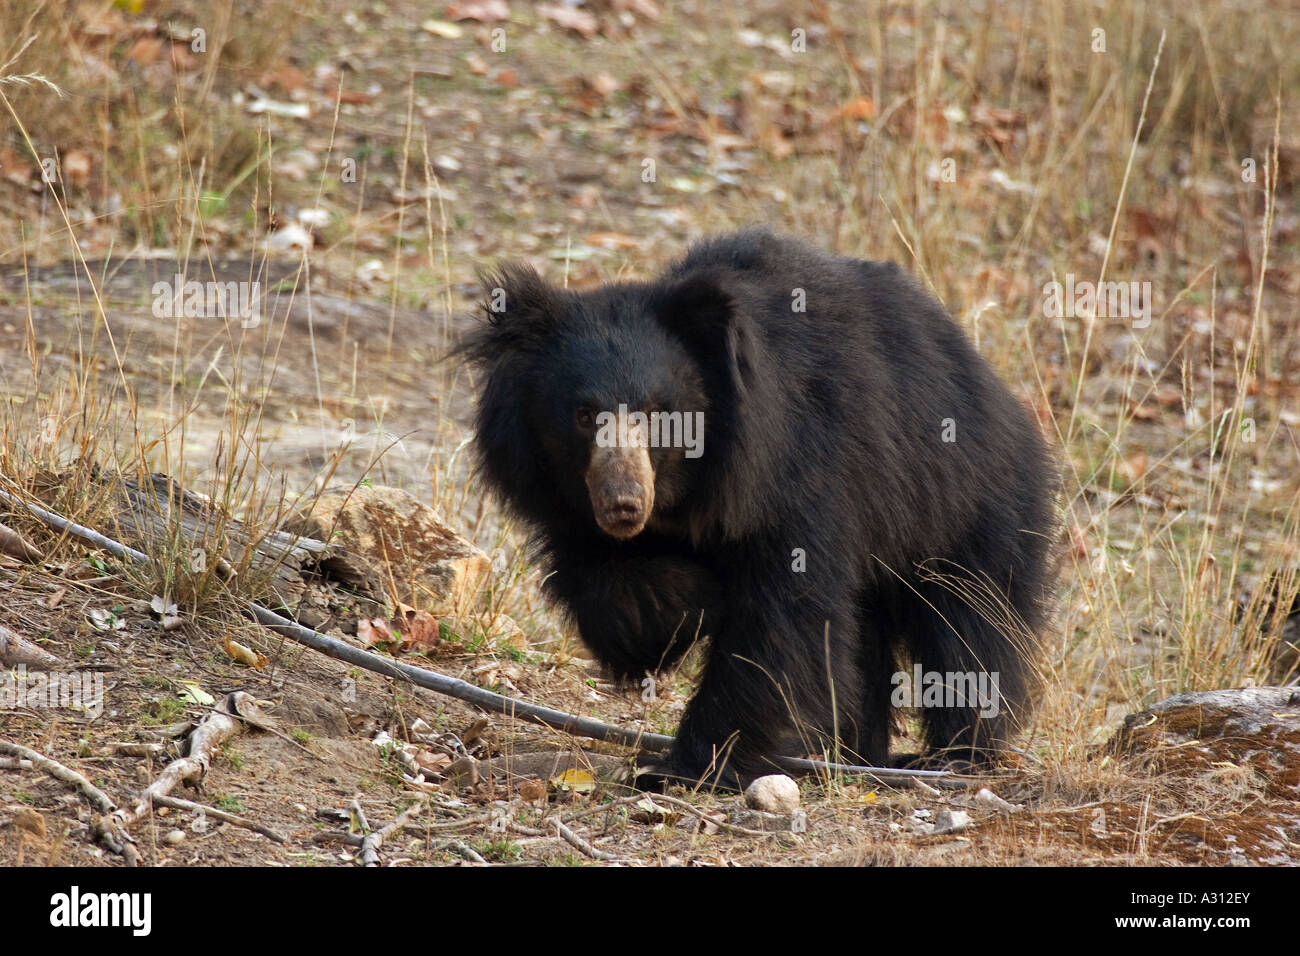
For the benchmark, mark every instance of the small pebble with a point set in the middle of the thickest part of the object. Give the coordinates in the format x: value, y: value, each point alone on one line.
x: 951, y: 821
x: 775, y: 793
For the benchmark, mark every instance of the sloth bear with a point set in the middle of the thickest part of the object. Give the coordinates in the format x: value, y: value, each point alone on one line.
x: 796, y: 454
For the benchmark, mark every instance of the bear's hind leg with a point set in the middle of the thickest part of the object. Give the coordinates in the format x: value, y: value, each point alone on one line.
x: 876, y: 664
x: 975, y: 651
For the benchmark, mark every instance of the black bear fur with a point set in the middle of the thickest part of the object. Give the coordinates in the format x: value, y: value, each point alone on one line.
x: 824, y: 436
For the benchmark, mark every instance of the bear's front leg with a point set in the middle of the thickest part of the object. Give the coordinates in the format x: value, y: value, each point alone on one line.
x: 779, y: 682
x: 639, y: 613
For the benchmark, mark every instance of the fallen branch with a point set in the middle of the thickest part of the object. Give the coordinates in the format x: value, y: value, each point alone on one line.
x: 213, y: 731
x: 16, y: 649
x: 486, y: 699
x: 106, y: 829
x: 356, y: 839
x: 430, y: 680
x: 98, y: 797
x: 177, y: 803
x: 373, y: 841
x: 565, y: 834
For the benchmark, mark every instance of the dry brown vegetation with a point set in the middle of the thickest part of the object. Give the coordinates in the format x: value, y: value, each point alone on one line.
x: 992, y: 148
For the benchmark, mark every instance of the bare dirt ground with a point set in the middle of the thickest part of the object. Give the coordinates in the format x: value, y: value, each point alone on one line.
x: 469, y: 155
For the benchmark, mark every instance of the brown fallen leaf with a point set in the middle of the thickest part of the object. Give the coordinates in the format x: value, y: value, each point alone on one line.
x: 1078, y: 540
x: 77, y: 164
x: 1133, y: 467
x: 499, y: 674
x: 373, y: 631
x: 146, y: 51
x: 859, y: 108
x: 475, y: 731
x: 352, y: 97
x: 14, y: 544
x: 531, y: 791
x: 1169, y: 397
x: 579, y: 21
x: 420, y: 631
x: 646, y: 810
x: 284, y: 78
x: 30, y: 821
x: 245, y: 655
x: 14, y: 167
x: 709, y: 822
x: 484, y: 11
x: 430, y: 762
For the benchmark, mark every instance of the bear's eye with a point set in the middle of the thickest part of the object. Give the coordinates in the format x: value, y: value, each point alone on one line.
x: 586, y: 418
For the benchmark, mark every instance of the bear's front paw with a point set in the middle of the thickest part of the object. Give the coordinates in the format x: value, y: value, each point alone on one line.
x: 659, y: 775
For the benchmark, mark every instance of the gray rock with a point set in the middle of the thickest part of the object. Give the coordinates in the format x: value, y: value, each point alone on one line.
x: 951, y: 821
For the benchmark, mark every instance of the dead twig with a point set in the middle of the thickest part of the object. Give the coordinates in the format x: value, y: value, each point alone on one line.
x: 211, y: 733
x: 571, y: 838
x: 356, y: 839
x: 107, y: 830
x: 98, y: 797
x: 177, y: 803
x: 558, y: 829
x: 371, y: 844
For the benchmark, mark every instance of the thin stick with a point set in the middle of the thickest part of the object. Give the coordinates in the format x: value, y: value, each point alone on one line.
x: 571, y: 838
x: 177, y: 803
x: 371, y: 844
x: 98, y: 797
x: 106, y: 828
x: 657, y: 798
x: 464, y: 849
x: 356, y: 839
x: 565, y: 834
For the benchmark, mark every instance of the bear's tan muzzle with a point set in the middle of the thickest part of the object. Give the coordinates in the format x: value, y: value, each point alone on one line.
x: 621, y: 483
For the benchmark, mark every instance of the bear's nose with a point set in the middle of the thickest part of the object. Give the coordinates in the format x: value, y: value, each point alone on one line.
x: 626, y: 507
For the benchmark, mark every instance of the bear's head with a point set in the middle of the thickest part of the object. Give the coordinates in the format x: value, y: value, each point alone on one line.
x: 594, y: 404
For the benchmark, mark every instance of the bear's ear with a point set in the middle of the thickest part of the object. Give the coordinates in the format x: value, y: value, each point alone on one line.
x: 703, y: 314
x: 520, y: 309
